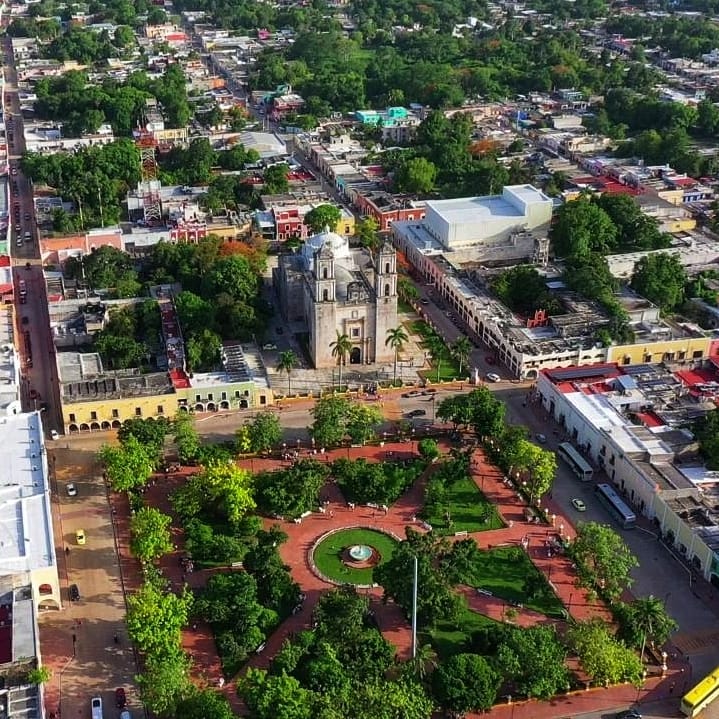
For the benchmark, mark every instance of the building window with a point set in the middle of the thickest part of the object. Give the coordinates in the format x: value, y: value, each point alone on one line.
x: 115, y: 413
x: 263, y: 399
x: 697, y: 354
x: 72, y: 417
x: 347, y: 229
x: 626, y: 360
x: 682, y: 355
x: 93, y: 415
x: 210, y: 396
x: 386, y: 268
x: 224, y: 395
x: 138, y: 411
x: 160, y: 409
x: 669, y: 356
x: 647, y: 357
x: 324, y: 273
x: 386, y: 290
x: 355, y: 331
x: 237, y: 394
x: 325, y: 295
x: 198, y: 398
x: 355, y: 314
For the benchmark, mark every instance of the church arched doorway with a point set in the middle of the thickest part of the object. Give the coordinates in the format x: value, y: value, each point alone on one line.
x: 355, y: 355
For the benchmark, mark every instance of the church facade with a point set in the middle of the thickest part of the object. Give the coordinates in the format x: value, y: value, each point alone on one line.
x: 328, y: 288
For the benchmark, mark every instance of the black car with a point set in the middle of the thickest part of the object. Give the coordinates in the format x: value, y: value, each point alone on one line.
x: 416, y: 413
x: 629, y: 714
x: 74, y: 593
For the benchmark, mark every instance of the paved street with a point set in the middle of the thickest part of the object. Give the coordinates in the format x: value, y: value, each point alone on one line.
x: 98, y: 665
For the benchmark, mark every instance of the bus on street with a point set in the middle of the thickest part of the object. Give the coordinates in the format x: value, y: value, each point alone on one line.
x: 703, y: 694
x: 616, y: 506
x: 576, y: 462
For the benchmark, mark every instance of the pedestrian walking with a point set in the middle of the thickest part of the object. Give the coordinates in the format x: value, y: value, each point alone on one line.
x: 116, y: 638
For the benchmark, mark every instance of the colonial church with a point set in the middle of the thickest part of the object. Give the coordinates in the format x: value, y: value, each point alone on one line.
x: 330, y: 288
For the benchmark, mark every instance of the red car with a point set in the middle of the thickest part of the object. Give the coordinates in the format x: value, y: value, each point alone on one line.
x: 120, y: 698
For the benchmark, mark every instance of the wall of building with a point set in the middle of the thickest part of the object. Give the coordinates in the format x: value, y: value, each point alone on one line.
x: 689, y: 349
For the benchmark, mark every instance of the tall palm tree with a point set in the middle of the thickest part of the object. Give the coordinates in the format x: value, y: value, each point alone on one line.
x: 436, y: 347
x: 651, y: 619
x: 286, y: 362
x: 461, y: 350
x: 396, y: 338
x: 341, y: 347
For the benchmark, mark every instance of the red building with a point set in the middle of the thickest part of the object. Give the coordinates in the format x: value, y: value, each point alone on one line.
x: 386, y: 208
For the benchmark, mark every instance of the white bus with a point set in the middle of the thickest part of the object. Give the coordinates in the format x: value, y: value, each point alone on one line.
x: 576, y: 462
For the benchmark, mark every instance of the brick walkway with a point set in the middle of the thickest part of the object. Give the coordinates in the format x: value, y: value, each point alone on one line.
x: 301, y: 537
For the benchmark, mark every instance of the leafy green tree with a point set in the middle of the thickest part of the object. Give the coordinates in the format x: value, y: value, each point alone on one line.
x: 149, y: 432
x: 437, y: 601
x: 379, y: 482
x: 416, y: 176
x: 329, y: 426
x: 644, y: 620
x: 265, y: 431
x: 187, y: 439
x: 205, y: 703
x: 388, y: 700
x: 341, y: 347
x: 465, y: 682
x: 533, y: 660
x: 428, y: 448
x: 407, y: 290
x: 366, y: 230
x: 275, y: 697
x: 286, y: 362
x: 292, y: 491
x: 461, y: 351
x: 229, y: 487
x: 437, y: 349
x: 603, y: 658
x: 321, y: 217
x: 155, y: 618
x: 486, y: 413
x: 523, y: 289
x: 275, y: 179
x: 602, y: 559
x: 538, y: 465
x: 661, y: 279
x: 581, y: 227
x: 706, y: 430
x: 128, y: 466
x: 150, y: 534
x: 396, y: 339
x: 362, y: 421
x: 165, y: 681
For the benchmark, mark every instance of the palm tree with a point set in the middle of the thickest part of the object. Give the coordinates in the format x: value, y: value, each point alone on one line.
x: 396, y: 337
x: 650, y: 618
x: 341, y: 347
x: 436, y: 347
x: 461, y: 350
x: 286, y: 362
x: 423, y: 664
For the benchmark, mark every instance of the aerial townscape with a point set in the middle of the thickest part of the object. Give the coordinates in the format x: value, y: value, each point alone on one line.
x: 359, y: 359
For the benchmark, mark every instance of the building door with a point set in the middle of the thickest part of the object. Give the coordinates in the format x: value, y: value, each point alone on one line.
x: 355, y: 355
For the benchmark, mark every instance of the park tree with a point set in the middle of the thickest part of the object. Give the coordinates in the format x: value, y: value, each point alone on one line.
x: 533, y: 659
x: 415, y: 176
x: 286, y: 362
x: 229, y: 487
x: 437, y: 348
x: 155, y: 618
x: 272, y: 697
x: 362, y: 421
x: 291, y: 491
x: 264, y: 431
x: 602, y: 558
x: 321, y: 217
x: 341, y: 347
x: 461, y: 351
x: 486, y: 412
x: 581, y: 227
x: 149, y: 432
x: 205, y: 703
x: 329, y: 426
x: 660, y: 278
x: 437, y: 601
x: 455, y: 410
x: 165, y: 681
x: 187, y: 439
x: 465, y: 682
x: 605, y: 659
x: 538, y: 465
x: 390, y: 699
x: 428, y: 448
x: 406, y: 290
x: 645, y: 620
x: 396, y: 340
x: 128, y: 466
x: 151, y: 538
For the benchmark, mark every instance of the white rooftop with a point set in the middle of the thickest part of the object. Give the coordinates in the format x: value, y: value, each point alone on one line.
x: 9, y: 364
x: 26, y: 542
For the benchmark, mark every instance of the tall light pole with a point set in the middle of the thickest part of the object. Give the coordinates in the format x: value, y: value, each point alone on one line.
x: 414, y: 610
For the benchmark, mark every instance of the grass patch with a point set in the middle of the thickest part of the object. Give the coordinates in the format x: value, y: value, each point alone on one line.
x: 449, y: 369
x: 454, y: 637
x: 328, y: 554
x: 468, y: 510
x: 508, y: 573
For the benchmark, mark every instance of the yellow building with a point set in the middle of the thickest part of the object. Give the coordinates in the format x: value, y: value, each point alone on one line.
x: 684, y: 349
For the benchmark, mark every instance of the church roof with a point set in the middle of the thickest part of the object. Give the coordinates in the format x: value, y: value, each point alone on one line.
x: 339, y: 247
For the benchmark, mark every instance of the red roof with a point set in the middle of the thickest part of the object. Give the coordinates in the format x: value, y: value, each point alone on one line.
x: 649, y: 419
x: 5, y: 261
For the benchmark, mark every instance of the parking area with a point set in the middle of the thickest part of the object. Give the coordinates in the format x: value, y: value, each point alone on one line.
x: 78, y: 643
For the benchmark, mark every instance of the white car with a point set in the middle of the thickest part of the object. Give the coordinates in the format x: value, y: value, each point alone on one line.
x: 493, y: 377
x: 54, y: 435
x: 579, y: 505
x: 71, y: 489
x: 269, y: 346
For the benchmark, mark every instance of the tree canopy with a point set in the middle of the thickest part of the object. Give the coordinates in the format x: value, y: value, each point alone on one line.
x: 660, y: 278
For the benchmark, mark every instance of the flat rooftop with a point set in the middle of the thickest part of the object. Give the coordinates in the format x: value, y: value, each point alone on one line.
x: 473, y: 209
x: 26, y: 542
x: 9, y: 363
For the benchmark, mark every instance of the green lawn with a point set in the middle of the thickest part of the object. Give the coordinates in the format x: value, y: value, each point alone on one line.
x: 468, y: 509
x: 328, y: 554
x: 503, y: 572
x: 453, y: 637
x: 449, y: 369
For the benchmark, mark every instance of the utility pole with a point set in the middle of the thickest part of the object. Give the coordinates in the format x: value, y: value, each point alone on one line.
x: 414, y: 611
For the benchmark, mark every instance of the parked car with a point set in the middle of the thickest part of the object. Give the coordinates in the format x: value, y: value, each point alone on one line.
x: 71, y: 489
x: 629, y: 714
x: 125, y: 714
x: 54, y: 435
x: 493, y: 377
x: 80, y: 536
x: 120, y: 698
x: 96, y: 708
x: 269, y: 346
x: 541, y: 438
x: 579, y: 505
x: 74, y: 593
x: 417, y: 413
x: 413, y: 393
